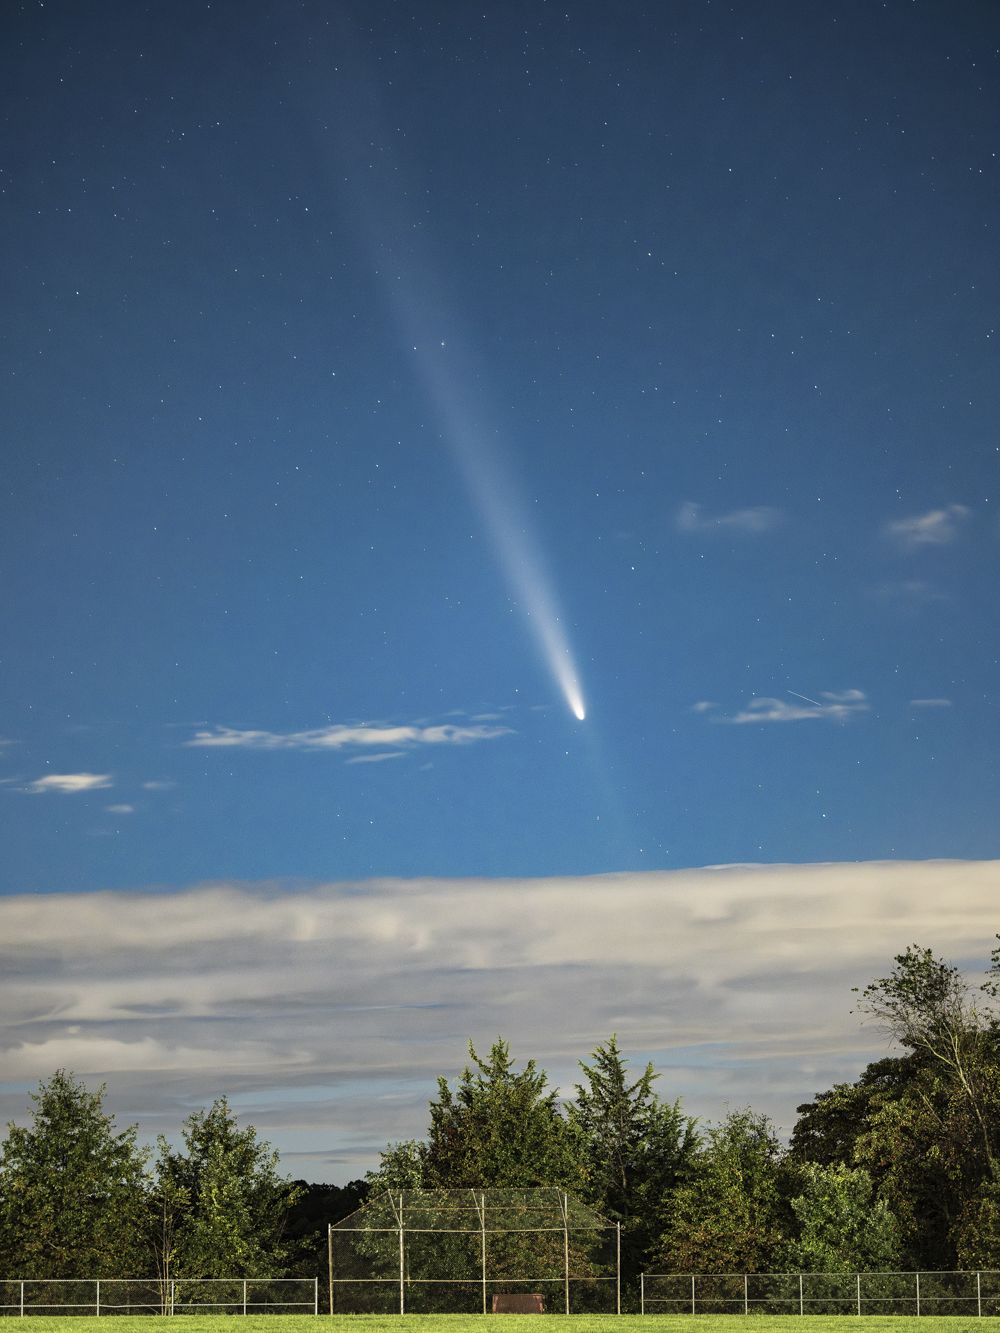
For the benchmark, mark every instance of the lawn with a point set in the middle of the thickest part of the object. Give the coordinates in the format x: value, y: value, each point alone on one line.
x: 516, y: 1324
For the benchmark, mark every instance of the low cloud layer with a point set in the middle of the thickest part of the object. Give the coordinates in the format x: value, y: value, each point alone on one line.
x: 326, y: 1011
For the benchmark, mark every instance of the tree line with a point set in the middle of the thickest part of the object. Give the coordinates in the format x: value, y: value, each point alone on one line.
x: 896, y: 1170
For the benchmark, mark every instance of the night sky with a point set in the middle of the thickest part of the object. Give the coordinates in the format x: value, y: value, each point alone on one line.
x: 386, y: 385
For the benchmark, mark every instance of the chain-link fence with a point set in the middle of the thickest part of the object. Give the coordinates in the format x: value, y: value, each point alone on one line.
x: 471, y: 1251
x: 127, y: 1296
x: 925, y: 1293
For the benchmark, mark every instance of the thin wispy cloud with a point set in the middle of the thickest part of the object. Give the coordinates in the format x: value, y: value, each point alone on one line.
x: 829, y: 706
x: 752, y: 522
x: 336, y: 738
x: 376, y: 758
x: 734, y: 980
x: 69, y: 784
x: 938, y: 527
x: 930, y: 703
x: 909, y: 592
x: 120, y: 809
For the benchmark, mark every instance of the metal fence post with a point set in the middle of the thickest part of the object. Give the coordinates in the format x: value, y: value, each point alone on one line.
x: 482, y: 1243
x: 244, y: 1295
x: 746, y: 1302
x: 565, y: 1203
x: 801, y: 1309
x: 171, y: 1295
x: 315, y: 1295
x: 329, y: 1260
x: 642, y: 1293
x: 618, y: 1268
x: 402, y: 1292
x: 859, y: 1294
x: 22, y: 1300
x: 97, y: 1297
x: 692, y: 1293
x: 979, y: 1296
x: 918, y: 1295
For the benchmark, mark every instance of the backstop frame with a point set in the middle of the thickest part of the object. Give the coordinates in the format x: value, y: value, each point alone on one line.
x: 573, y: 1222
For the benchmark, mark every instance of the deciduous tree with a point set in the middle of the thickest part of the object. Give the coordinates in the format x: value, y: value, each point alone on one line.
x: 927, y: 1005
x: 73, y: 1190
x: 237, y: 1203
x: 923, y: 1125
x: 730, y: 1214
x: 828, y: 1128
x: 842, y: 1227
x: 402, y: 1166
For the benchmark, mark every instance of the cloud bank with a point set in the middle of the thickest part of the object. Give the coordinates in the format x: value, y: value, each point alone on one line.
x: 326, y: 1011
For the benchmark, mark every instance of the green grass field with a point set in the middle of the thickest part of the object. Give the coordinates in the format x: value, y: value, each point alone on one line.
x: 515, y: 1324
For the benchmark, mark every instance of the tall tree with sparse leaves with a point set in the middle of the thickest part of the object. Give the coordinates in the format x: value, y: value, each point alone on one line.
x: 73, y: 1189
x: 926, y: 1004
x: 923, y: 1125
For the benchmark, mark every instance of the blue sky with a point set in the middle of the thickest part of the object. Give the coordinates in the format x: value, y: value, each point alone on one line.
x: 382, y: 383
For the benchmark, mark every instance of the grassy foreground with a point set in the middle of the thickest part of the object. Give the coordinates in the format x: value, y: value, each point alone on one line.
x: 457, y: 1323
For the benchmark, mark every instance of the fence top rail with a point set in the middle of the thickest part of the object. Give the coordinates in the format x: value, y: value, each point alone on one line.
x: 149, y: 1281
x: 847, y: 1273
x: 545, y: 1207
x: 465, y: 1231
x: 473, y: 1280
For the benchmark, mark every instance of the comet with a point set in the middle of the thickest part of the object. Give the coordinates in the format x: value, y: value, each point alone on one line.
x: 453, y: 381
x: 446, y: 374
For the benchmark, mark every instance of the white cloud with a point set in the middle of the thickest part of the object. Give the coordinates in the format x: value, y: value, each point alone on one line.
x: 347, y: 737
x: 832, y: 706
x: 703, y: 706
x: 158, y: 784
x: 930, y: 703
x: 375, y: 758
x: 939, y: 527
x: 70, y: 783
x: 330, y: 1010
x: 120, y: 809
x: 750, y: 522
